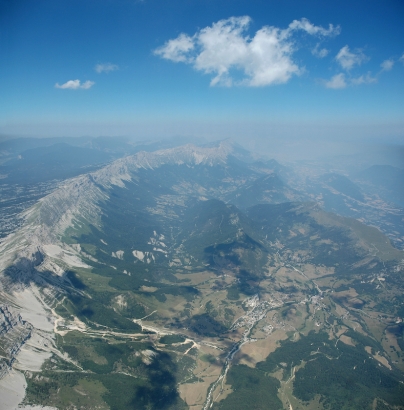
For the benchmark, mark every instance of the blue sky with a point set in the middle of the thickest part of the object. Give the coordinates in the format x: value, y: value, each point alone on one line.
x: 209, y: 68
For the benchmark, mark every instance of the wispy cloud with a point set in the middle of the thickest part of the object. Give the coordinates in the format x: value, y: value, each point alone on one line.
x: 320, y: 53
x: 75, y: 85
x: 336, y: 82
x: 387, y: 65
x: 264, y: 59
x: 105, y: 68
x: 340, y: 80
x: 363, y: 79
x: 401, y: 59
x: 348, y: 59
x: 305, y: 25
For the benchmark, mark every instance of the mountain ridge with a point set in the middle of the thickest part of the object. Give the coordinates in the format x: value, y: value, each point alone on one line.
x: 153, y: 245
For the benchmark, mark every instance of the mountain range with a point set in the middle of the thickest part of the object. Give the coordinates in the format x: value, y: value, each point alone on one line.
x: 198, y: 277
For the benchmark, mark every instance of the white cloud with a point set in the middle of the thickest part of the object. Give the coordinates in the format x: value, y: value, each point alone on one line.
x: 364, y: 79
x: 387, y: 65
x: 305, y: 25
x: 348, y: 59
x: 105, y: 68
x: 75, y: 85
x: 72, y: 84
x: 87, y: 84
x: 176, y: 50
x: 401, y: 59
x: 338, y: 81
x: 319, y: 53
x: 264, y: 59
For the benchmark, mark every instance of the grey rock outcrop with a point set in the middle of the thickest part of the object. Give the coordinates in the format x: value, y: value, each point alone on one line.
x: 14, y: 332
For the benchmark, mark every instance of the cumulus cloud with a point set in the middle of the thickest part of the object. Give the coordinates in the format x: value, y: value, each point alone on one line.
x: 336, y: 82
x: 348, y: 59
x: 75, y: 85
x: 176, y: 50
x: 224, y: 47
x: 387, y: 65
x: 105, y: 68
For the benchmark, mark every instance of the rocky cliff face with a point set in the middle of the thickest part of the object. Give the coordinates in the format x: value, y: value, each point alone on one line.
x: 14, y: 332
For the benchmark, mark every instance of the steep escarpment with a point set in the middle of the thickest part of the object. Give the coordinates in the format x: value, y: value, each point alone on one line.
x: 14, y: 332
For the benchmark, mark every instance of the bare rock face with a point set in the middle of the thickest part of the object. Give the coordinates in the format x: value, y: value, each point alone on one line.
x: 14, y: 332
